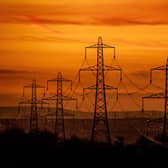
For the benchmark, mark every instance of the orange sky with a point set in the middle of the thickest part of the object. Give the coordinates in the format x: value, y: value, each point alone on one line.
x: 49, y: 36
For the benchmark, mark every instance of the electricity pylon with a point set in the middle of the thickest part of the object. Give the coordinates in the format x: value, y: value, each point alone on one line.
x: 160, y: 95
x: 33, y: 102
x: 59, y: 122
x: 100, y: 127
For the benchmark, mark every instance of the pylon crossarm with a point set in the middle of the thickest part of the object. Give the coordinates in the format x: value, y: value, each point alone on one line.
x: 72, y: 99
x: 67, y: 80
x: 88, y: 88
x: 51, y: 97
x: 30, y: 102
x: 24, y: 87
x: 107, y: 46
x: 67, y: 97
x: 58, y: 80
x: 90, y: 68
x: 163, y: 67
x: 91, y: 46
x: 110, y: 68
x: 42, y: 102
x: 96, y: 46
x: 27, y: 86
x: 25, y: 102
x: 155, y: 95
x: 55, y: 97
x: 155, y: 120
x: 91, y: 87
x: 39, y: 86
x: 52, y: 80
x: 30, y: 86
x: 160, y: 68
x: 152, y: 96
x: 19, y: 108
x: 64, y: 98
x: 112, y: 88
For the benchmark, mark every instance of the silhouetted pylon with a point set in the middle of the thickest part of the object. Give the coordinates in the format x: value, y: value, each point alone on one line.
x: 59, y: 97
x: 160, y: 95
x: 100, y: 130
x: 33, y: 102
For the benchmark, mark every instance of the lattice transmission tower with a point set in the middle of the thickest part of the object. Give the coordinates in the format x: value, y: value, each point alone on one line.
x: 160, y: 95
x: 100, y: 129
x: 60, y: 98
x: 33, y: 102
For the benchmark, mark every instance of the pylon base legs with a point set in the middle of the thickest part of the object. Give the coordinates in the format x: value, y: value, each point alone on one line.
x: 100, y: 132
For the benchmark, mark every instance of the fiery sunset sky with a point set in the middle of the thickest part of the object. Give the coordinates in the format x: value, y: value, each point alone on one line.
x: 40, y: 38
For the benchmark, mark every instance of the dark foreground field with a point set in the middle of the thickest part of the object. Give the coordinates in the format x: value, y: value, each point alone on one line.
x: 44, y: 147
x: 82, y: 128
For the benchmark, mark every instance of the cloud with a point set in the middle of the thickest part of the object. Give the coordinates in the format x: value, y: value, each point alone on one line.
x: 11, y: 74
x: 41, y: 23
x: 119, y: 14
x: 10, y: 71
x: 95, y: 14
x: 119, y: 21
x: 148, y: 44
